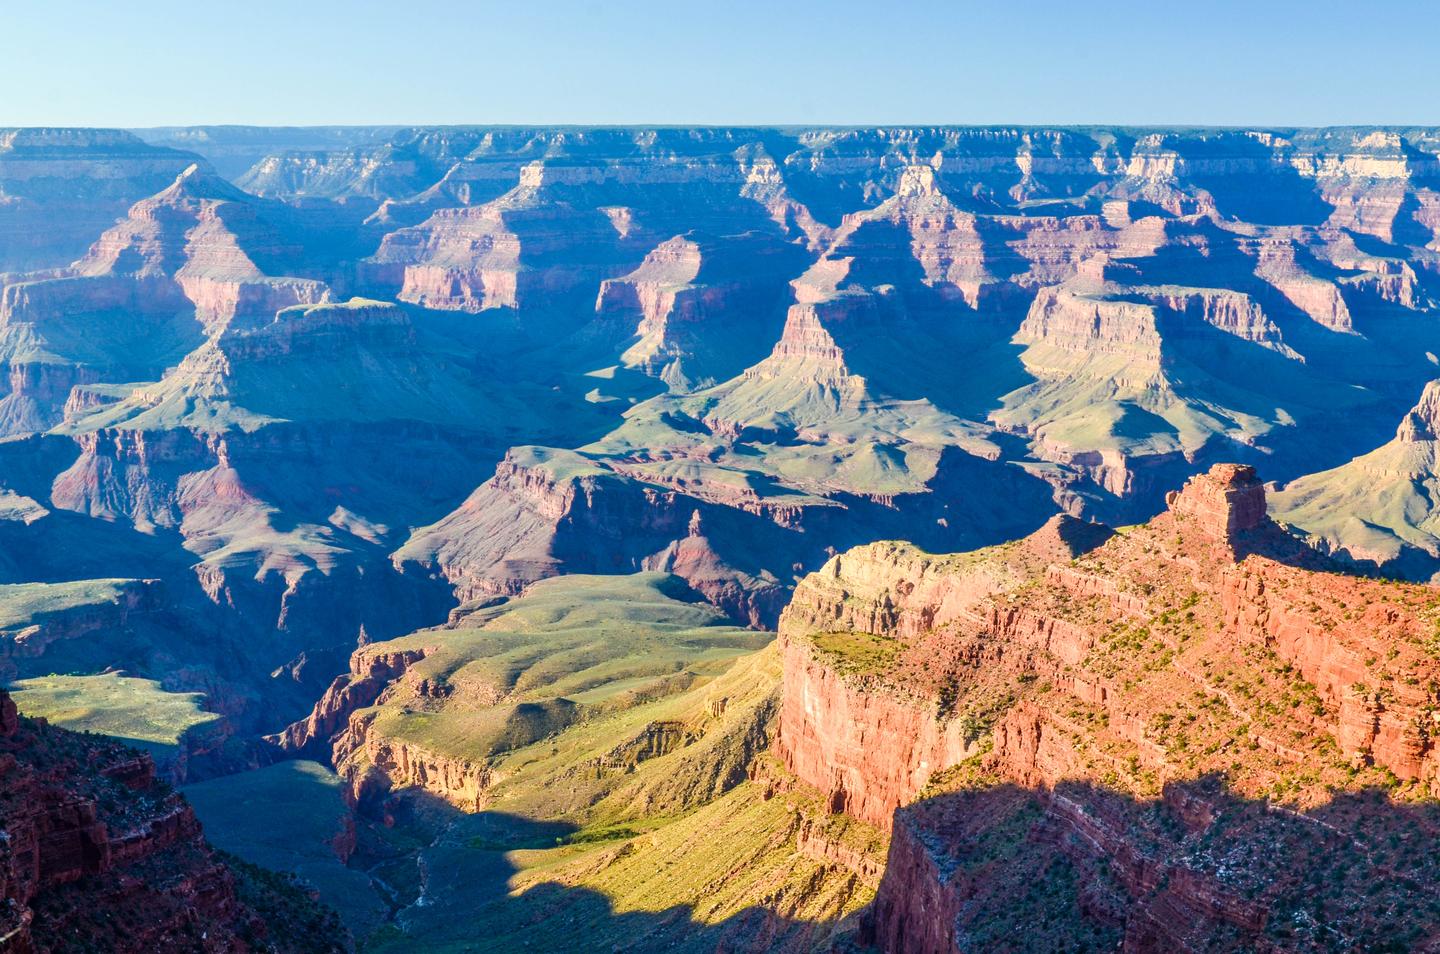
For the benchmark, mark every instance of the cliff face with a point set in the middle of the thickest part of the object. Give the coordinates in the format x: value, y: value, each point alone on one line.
x: 547, y: 512
x: 522, y: 249
x: 736, y: 348
x: 699, y: 311
x: 869, y: 751
x: 873, y: 742
x: 370, y: 675
x: 98, y: 853
x: 63, y: 187
x: 341, y: 730
x: 404, y: 368
x: 1203, y: 678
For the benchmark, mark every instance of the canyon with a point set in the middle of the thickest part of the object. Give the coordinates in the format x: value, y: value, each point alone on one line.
x: 888, y: 498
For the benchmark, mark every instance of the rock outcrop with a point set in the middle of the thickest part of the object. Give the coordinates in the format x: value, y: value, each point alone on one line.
x: 699, y: 311
x: 97, y: 853
x: 371, y: 673
x: 1376, y: 511
x: 440, y: 710
x: 1223, y: 504
x: 1029, y: 703
x: 389, y: 370
x: 59, y: 188
x: 845, y: 729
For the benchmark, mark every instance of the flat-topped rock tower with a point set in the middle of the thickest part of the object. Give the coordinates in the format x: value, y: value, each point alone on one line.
x: 1228, y: 500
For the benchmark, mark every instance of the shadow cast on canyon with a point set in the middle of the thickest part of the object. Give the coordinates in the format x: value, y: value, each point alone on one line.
x: 1077, y: 867
x: 1084, y: 867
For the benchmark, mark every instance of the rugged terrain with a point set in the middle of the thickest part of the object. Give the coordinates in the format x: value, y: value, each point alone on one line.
x: 411, y: 452
x: 594, y: 746
x: 375, y: 372
x: 1187, y: 735
x: 97, y: 854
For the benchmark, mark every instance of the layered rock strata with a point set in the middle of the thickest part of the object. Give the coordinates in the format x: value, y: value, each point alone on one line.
x: 1079, y: 708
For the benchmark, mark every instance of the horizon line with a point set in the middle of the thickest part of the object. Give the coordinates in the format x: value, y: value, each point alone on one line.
x: 726, y: 125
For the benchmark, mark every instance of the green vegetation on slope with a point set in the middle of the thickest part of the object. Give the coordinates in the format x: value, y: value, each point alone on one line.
x: 853, y: 443
x: 134, y: 710
x: 360, y: 361
x: 856, y: 653
x: 619, y: 721
x: 719, y: 878
x: 635, y: 829
x: 26, y: 604
x: 1380, y: 507
x: 511, y: 674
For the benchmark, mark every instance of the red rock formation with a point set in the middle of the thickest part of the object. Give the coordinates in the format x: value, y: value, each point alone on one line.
x: 97, y: 854
x: 873, y: 746
x: 1224, y: 503
x: 374, y: 765
x: 870, y: 751
x: 1090, y: 685
x: 370, y: 674
x: 338, y: 731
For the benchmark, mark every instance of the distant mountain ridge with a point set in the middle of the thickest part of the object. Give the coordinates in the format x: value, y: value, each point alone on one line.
x: 718, y: 352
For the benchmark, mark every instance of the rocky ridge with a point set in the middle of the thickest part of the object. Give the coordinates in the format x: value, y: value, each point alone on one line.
x: 388, y: 371
x: 1078, y: 692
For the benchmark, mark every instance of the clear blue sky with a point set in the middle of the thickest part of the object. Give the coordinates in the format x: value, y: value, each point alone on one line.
x: 1276, y: 62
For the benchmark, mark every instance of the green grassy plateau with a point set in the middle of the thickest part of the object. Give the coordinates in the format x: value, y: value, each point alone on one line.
x: 133, y: 710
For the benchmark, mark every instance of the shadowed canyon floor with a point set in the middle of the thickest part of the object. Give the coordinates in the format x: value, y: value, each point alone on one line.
x: 440, y: 488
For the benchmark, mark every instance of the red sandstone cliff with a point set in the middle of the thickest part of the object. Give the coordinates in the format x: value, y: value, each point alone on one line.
x: 97, y: 854
x: 1206, y: 645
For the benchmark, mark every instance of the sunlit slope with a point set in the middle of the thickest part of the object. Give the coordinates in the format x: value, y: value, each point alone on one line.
x: 595, y: 744
x: 136, y: 711
x: 1379, y: 509
x: 505, y: 676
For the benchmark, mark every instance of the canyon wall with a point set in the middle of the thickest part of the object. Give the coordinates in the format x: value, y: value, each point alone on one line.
x: 98, y: 853
x: 1085, y: 682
